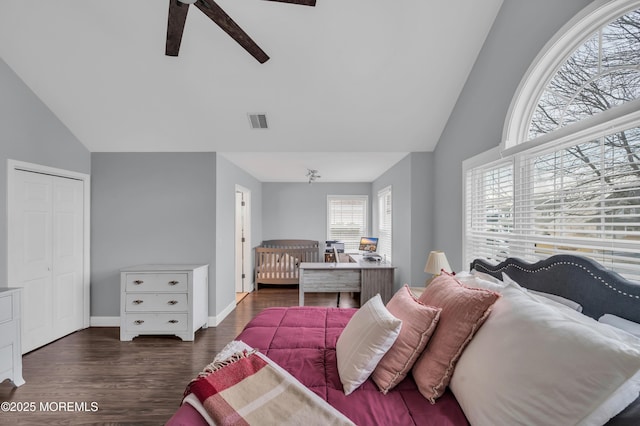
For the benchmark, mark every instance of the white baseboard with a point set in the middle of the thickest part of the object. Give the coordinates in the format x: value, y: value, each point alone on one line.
x: 105, y: 322
x: 215, y: 321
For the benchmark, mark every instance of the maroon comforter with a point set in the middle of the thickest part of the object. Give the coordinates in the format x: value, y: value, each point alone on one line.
x: 303, y: 339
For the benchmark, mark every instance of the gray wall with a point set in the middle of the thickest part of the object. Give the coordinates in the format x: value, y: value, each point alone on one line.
x: 423, y: 207
x: 519, y: 32
x: 150, y: 208
x: 228, y: 175
x: 30, y: 132
x: 399, y: 177
x: 412, y: 215
x: 299, y: 210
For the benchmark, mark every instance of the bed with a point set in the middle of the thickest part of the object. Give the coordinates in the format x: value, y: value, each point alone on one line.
x: 303, y: 341
x: 278, y: 261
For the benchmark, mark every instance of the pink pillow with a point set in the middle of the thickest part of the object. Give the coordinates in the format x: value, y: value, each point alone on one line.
x: 464, y: 309
x: 418, y: 323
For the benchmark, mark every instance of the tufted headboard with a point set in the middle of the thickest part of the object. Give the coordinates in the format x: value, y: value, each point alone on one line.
x: 578, y: 278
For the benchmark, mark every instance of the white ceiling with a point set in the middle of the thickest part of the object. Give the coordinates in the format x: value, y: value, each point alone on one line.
x: 366, y: 80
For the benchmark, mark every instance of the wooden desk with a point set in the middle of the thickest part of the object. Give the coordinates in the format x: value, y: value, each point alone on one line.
x: 357, y: 275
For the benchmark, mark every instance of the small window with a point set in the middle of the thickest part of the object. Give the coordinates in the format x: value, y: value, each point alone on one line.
x: 347, y: 219
x: 385, y: 224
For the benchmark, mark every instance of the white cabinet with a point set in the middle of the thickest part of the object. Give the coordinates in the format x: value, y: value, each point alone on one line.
x: 10, y: 348
x: 164, y: 299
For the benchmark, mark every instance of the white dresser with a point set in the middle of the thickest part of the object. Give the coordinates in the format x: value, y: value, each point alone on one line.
x: 164, y: 299
x: 10, y: 348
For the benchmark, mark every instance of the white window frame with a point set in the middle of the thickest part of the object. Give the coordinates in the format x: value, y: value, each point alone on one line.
x: 365, y: 228
x: 385, y: 244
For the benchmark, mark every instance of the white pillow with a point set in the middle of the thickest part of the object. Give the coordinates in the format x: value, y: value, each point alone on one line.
x: 487, y: 277
x: 559, y: 299
x: 477, y: 279
x: 545, y: 297
x: 621, y: 323
x: 534, y: 363
x: 367, y: 337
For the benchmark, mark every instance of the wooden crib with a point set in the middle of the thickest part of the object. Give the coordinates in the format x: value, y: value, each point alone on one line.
x: 278, y: 261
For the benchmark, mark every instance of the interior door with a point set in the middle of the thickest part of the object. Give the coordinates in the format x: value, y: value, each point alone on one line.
x: 47, y: 255
x: 33, y: 251
x: 67, y: 255
x: 239, y: 243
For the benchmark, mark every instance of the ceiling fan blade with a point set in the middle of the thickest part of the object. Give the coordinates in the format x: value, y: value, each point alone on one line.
x: 224, y: 21
x: 300, y: 2
x: 175, y: 26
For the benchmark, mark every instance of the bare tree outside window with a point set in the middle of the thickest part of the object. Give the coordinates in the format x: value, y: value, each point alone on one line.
x: 588, y: 193
x: 602, y: 73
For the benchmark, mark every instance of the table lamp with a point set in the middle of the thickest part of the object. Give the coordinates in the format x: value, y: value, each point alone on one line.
x: 436, y: 262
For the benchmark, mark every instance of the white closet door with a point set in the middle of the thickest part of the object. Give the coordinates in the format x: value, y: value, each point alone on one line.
x: 48, y: 257
x: 67, y: 256
x: 33, y: 198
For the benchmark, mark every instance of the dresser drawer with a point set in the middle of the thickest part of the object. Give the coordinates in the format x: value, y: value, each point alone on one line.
x: 156, y: 282
x: 6, y: 308
x: 142, y: 322
x: 149, y: 302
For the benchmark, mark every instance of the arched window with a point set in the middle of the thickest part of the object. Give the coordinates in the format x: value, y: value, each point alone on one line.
x: 566, y: 178
x: 592, y: 65
x: 602, y: 73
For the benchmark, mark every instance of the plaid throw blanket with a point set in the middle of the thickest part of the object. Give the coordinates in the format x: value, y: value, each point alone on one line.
x: 247, y: 388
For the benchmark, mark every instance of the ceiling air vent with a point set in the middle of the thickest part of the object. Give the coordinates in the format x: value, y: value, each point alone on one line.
x: 258, y: 121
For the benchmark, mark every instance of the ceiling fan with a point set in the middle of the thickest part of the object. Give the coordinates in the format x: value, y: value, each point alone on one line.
x: 178, y: 14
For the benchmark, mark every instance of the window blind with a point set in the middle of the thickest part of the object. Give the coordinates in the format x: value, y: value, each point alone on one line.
x: 385, y: 224
x: 347, y: 219
x: 582, y: 198
x: 489, y: 211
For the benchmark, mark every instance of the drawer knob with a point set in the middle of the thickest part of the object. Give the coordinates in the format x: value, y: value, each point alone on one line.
x: 138, y: 322
x: 137, y: 302
x: 173, y: 321
x: 174, y: 282
x: 172, y: 302
x: 138, y: 282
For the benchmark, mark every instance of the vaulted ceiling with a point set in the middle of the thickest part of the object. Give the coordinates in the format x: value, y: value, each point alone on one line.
x: 361, y: 79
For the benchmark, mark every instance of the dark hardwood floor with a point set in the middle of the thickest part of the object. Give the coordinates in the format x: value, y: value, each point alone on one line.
x: 105, y: 381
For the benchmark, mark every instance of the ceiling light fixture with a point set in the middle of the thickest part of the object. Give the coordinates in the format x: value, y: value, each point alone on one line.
x: 312, y: 175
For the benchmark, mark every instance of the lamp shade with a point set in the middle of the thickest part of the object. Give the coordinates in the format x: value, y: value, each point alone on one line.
x: 436, y: 262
